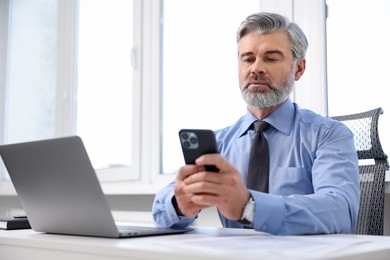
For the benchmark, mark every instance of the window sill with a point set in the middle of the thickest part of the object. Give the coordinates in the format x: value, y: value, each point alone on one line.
x: 132, y: 188
x: 109, y: 188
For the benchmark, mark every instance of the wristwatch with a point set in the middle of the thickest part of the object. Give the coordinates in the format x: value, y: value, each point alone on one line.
x: 248, y: 213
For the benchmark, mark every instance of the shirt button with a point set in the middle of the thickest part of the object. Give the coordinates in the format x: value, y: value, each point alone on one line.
x: 264, y: 227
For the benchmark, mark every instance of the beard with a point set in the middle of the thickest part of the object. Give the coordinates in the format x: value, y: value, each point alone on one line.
x: 276, y: 94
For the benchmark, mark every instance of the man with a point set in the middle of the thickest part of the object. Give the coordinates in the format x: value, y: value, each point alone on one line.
x: 313, y: 182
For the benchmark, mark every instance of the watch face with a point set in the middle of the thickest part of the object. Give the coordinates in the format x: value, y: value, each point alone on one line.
x: 248, y: 213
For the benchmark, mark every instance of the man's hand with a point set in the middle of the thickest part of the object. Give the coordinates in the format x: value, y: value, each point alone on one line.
x: 184, y: 203
x: 196, y: 188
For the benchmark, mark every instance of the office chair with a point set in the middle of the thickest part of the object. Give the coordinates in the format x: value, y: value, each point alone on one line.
x: 372, y: 176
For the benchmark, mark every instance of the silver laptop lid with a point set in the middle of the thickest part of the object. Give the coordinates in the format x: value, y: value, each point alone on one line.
x: 58, y: 187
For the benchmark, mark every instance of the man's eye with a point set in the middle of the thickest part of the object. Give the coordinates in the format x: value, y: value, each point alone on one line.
x: 272, y: 59
x: 248, y: 60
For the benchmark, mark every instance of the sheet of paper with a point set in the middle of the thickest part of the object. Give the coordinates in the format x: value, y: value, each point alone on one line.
x: 254, y: 245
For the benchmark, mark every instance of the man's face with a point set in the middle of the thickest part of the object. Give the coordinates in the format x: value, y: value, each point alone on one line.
x: 267, y: 69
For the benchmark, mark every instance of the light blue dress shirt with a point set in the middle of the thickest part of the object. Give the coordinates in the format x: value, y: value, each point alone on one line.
x: 314, y: 179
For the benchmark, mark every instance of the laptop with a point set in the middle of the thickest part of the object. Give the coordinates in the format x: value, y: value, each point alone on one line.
x: 60, y: 192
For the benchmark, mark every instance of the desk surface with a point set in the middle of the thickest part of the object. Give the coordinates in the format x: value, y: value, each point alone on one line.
x: 202, y: 243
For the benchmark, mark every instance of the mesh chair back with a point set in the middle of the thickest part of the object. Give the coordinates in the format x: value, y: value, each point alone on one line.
x: 372, y: 176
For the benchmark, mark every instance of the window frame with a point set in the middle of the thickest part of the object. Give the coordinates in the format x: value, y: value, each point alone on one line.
x: 66, y: 85
x: 6, y: 187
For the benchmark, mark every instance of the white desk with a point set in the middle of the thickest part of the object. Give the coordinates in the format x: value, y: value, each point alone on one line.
x: 202, y: 243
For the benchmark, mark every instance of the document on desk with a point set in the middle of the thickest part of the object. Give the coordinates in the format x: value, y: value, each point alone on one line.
x: 249, y: 246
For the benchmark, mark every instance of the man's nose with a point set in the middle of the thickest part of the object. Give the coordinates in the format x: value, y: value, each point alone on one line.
x: 258, y: 68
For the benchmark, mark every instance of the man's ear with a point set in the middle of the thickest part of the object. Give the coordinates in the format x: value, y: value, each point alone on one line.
x: 300, y: 69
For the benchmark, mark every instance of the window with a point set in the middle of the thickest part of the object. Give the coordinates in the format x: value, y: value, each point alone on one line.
x: 357, y: 50
x: 30, y: 93
x: 75, y: 76
x: 104, y: 110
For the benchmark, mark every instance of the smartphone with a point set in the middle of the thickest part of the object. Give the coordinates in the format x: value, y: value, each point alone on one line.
x: 196, y: 142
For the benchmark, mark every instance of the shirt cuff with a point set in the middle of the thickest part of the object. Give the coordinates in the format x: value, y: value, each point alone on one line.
x: 269, y: 212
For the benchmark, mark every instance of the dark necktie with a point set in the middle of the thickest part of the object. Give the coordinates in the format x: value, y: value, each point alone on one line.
x: 259, y: 160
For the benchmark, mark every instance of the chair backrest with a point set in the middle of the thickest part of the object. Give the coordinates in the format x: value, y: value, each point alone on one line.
x: 372, y: 176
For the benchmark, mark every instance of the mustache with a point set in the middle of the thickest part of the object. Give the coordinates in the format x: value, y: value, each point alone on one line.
x: 258, y: 79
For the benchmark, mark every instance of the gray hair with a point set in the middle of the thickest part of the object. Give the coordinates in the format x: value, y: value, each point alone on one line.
x: 269, y: 22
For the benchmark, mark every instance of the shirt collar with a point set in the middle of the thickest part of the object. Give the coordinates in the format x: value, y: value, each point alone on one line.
x: 281, y: 119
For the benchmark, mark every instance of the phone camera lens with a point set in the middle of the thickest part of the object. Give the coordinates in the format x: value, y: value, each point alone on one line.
x: 193, y: 140
x: 189, y: 140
